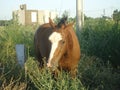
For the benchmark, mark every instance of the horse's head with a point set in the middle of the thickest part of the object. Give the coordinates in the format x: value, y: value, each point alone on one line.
x: 59, y: 41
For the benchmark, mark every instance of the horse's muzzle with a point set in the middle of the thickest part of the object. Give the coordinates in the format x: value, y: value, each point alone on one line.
x: 52, y: 66
x: 49, y: 65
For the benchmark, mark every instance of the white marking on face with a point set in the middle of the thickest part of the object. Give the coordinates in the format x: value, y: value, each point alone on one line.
x: 55, y: 37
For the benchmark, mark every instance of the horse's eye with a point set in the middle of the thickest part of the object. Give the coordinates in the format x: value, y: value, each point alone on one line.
x: 62, y: 41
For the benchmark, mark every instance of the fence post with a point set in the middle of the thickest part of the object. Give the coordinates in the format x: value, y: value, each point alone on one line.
x: 20, y: 51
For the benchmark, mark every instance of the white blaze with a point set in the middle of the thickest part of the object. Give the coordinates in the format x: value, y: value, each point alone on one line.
x: 55, y: 37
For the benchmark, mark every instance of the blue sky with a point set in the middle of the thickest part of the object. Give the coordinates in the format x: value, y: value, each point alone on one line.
x: 93, y: 8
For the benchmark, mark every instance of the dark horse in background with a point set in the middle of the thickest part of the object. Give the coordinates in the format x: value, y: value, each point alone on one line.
x: 59, y: 45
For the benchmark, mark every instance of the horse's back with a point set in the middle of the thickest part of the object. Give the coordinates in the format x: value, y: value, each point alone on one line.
x: 42, y: 44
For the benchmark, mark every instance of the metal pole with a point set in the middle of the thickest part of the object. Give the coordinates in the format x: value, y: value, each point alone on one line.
x: 79, y: 14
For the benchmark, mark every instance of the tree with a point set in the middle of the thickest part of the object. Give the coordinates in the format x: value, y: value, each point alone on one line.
x: 116, y: 16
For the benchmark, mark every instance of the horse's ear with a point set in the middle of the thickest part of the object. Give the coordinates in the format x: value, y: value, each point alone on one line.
x: 51, y: 23
x: 70, y: 25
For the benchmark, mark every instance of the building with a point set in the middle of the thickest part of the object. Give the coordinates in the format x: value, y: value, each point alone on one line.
x: 31, y: 17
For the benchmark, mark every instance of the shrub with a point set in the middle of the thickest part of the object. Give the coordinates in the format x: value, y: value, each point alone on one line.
x: 95, y: 75
x: 102, y: 40
x: 11, y: 75
x: 43, y: 80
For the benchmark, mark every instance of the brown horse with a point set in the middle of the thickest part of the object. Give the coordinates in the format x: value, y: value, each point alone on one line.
x: 59, y: 45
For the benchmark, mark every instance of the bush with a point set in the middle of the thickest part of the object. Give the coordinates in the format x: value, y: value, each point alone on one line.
x: 102, y: 40
x: 43, y: 80
x: 96, y: 76
x: 11, y: 75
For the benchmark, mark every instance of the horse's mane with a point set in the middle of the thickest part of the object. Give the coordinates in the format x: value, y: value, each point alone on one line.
x: 62, y: 21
